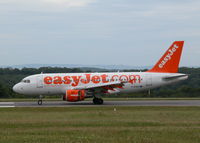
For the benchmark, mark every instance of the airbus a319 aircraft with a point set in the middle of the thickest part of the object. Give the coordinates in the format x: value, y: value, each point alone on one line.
x: 78, y: 86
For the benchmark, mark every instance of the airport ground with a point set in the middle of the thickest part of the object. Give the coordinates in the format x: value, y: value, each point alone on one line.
x: 57, y: 102
x: 97, y: 124
x: 89, y: 99
x: 135, y: 122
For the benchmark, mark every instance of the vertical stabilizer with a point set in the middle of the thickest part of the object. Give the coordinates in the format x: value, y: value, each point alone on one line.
x: 169, y: 62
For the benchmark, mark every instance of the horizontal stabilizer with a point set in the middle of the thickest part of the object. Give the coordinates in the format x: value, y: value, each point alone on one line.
x: 175, y: 77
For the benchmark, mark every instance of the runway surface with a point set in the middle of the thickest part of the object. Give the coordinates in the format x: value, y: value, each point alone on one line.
x: 106, y: 103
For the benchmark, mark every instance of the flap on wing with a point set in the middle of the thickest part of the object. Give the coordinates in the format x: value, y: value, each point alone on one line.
x: 115, y: 83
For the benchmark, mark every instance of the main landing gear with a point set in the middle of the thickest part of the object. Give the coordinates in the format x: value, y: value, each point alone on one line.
x: 40, y: 100
x: 98, y: 101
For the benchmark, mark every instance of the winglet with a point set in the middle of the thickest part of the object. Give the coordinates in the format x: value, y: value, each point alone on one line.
x: 169, y: 62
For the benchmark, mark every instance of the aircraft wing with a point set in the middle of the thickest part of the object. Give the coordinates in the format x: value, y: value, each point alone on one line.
x: 106, y: 86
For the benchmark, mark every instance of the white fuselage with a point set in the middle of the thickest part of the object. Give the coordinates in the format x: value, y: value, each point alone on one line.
x: 51, y: 84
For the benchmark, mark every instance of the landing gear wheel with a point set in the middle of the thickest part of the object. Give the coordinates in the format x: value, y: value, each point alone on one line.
x: 95, y: 101
x: 98, y: 101
x: 39, y: 102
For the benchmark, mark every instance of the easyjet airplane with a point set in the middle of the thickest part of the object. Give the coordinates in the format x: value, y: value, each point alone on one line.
x: 78, y: 86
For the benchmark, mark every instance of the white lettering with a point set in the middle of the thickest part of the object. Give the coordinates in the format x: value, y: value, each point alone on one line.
x: 168, y: 56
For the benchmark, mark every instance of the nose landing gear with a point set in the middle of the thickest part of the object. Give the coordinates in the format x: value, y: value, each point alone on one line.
x: 40, y: 100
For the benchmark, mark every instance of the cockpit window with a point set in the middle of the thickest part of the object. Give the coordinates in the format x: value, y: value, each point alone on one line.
x: 26, y: 81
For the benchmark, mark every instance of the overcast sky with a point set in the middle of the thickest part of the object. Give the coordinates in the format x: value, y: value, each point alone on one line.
x: 91, y: 32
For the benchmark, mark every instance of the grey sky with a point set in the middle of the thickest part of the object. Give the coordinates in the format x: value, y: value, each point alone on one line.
x: 127, y: 32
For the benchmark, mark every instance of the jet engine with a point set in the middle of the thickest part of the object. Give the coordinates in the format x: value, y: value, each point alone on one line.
x: 74, y: 95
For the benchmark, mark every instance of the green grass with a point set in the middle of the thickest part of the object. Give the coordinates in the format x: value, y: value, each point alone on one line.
x: 100, y: 124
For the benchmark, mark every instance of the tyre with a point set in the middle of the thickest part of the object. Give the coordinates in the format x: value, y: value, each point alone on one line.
x: 39, y: 102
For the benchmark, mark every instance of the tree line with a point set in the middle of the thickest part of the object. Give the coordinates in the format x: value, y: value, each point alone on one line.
x: 188, y: 88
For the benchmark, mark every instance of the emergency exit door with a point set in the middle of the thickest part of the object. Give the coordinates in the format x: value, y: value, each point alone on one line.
x: 39, y: 79
x: 148, y: 80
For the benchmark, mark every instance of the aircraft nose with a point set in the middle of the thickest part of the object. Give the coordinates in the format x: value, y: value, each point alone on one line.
x: 16, y: 88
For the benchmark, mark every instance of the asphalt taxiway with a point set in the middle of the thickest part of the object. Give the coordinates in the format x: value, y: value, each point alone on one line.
x: 106, y: 103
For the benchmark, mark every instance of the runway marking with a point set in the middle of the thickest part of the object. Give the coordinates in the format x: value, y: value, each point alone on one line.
x: 106, y: 103
x: 3, y: 103
x: 7, y: 104
x: 111, y: 103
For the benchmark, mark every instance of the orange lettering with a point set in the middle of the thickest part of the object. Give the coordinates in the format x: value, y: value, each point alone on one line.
x: 67, y: 80
x: 96, y: 79
x: 48, y: 80
x: 57, y: 80
x: 113, y: 77
x: 134, y: 78
x: 87, y: 80
x: 104, y: 80
x: 122, y: 77
x: 76, y: 80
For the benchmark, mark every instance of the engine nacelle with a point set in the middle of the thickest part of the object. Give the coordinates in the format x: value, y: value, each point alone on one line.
x: 74, y: 95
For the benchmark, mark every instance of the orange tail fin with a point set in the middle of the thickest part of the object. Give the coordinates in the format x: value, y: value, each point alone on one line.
x: 170, y: 60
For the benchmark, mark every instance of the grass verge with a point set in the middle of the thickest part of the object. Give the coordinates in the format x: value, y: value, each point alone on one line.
x: 100, y: 124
